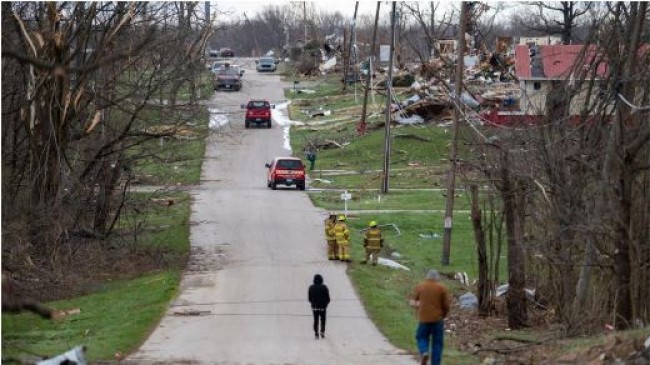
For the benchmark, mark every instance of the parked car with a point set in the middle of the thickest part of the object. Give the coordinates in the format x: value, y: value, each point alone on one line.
x: 286, y: 171
x: 258, y: 112
x: 238, y: 69
x: 217, y: 65
x: 227, y: 78
x: 266, y: 64
x: 227, y: 52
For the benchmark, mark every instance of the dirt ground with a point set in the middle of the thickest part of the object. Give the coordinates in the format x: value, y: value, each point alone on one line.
x: 543, y: 343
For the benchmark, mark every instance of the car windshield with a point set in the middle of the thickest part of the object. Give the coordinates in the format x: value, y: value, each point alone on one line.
x: 267, y: 60
x: 228, y: 71
x: 260, y: 104
x: 289, y: 164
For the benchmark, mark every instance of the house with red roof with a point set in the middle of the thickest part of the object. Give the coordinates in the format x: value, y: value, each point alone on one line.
x: 537, y: 67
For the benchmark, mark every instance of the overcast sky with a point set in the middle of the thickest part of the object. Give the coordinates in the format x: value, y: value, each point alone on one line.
x: 235, y: 9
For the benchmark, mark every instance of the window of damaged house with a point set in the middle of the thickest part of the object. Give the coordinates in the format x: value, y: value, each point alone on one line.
x: 537, y: 85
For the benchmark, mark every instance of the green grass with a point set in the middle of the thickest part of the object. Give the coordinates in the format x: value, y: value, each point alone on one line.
x: 385, y: 291
x: 409, y: 199
x: 205, y: 88
x: 116, y: 319
x: 119, y: 314
x: 164, y: 227
x: 414, y: 163
x: 172, y: 160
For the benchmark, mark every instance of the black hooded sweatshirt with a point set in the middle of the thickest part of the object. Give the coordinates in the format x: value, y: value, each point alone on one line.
x: 319, y: 295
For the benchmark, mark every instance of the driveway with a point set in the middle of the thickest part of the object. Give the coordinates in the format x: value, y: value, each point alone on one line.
x: 243, y: 298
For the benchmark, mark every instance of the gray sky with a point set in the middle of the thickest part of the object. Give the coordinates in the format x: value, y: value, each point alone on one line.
x: 235, y: 9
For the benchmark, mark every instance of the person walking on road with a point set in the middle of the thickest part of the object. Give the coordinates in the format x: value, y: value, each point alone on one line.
x: 373, y: 241
x: 330, y: 237
x: 319, y: 297
x: 342, y: 234
x: 431, y: 298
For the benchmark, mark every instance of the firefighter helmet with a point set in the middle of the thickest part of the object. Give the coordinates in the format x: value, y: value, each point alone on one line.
x: 342, y: 218
x: 372, y: 224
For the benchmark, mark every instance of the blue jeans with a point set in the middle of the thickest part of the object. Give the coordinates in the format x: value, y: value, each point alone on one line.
x: 434, y: 332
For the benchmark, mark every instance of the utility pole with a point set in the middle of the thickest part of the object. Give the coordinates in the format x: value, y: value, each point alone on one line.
x: 389, y: 84
x: 453, y: 149
x: 348, y: 63
x: 304, y: 20
x: 361, y: 127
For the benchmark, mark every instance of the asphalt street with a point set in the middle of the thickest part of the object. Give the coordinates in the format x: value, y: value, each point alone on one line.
x: 243, y: 298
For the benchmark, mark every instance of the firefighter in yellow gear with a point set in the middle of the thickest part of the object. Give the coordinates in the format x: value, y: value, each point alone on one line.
x: 342, y: 234
x: 330, y: 237
x: 373, y: 241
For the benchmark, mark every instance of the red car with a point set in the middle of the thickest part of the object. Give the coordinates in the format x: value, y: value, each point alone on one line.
x: 286, y: 171
x: 258, y: 112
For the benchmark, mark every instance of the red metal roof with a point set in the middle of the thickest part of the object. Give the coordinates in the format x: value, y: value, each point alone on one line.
x: 522, y: 62
x: 558, y: 61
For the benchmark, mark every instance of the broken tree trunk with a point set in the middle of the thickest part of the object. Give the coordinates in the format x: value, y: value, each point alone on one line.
x: 479, y: 236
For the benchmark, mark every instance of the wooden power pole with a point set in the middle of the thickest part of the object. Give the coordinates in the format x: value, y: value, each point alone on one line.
x: 453, y: 149
x: 389, y: 84
x: 361, y: 128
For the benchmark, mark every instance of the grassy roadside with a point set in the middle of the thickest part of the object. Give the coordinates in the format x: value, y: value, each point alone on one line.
x: 122, y: 309
x: 114, y: 320
x: 119, y: 314
x: 173, y: 160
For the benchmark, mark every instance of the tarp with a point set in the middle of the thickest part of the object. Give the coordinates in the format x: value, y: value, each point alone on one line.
x: 391, y: 263
x: 468, y: 301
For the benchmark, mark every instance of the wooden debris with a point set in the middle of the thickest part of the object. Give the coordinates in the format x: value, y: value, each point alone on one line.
x: 413, y: 136
x: 68, y: 312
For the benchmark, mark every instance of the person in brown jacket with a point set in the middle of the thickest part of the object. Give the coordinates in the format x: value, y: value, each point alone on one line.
x: 431, y: 298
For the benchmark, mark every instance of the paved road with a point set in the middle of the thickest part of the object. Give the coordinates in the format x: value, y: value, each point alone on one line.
x: 254, y: 254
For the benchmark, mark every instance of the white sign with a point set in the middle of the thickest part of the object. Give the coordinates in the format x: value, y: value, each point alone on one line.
x: 384, y: 53
x: 447, y: 222
x: 346, y: 196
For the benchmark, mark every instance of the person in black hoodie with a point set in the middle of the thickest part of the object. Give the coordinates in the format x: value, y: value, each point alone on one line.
x: 319, y: 297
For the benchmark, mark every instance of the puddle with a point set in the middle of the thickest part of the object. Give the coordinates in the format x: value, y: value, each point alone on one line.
x: 218, y: 118
x: 281, y: 118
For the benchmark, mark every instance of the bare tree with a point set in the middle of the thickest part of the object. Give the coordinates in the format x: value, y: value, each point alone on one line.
x: 81, y: 81
x: 553, y: 18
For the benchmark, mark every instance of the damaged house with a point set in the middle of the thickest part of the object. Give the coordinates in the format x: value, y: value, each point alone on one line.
x: 539, y: 68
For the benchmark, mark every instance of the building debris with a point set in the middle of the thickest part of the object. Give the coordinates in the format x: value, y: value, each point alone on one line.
x: 392, y: 264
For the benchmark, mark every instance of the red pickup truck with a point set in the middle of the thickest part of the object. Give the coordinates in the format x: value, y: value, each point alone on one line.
x: 286, y: 171
x: 258, y: 112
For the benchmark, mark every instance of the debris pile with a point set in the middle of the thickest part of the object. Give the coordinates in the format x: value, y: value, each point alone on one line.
x: 423, y: 91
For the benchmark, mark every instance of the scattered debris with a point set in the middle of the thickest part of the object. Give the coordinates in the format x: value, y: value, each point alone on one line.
x: 69, y: 312
x: 324, y: 181
x: 392, y: 264
x: 503, y: 289
x: 327, y: 65
x: 320, y: 113
x: 431, y: 236
x: 462, y: 277
x: 396, y: 255
x: 75, y: 356
x: 468, y: 301
x: 303, y: 91
x: 413, y: 119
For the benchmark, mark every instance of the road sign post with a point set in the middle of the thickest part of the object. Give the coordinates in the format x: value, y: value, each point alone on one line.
x: 345, y: 197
